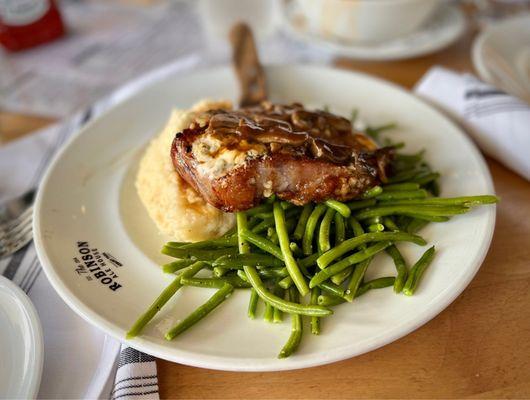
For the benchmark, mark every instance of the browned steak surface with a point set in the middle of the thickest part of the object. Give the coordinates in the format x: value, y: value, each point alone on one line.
x: 235, y: 159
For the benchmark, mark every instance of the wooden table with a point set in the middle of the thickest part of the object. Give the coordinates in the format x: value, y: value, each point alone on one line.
x: 479, y: 347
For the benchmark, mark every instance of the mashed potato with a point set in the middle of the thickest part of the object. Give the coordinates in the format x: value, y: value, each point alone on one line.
x: 176, y: 208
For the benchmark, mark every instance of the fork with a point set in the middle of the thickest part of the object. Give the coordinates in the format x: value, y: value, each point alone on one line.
x: 16, y: 217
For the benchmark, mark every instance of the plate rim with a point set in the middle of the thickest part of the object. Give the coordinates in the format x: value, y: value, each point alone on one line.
x: 216, y: 362
x: 30, y: 390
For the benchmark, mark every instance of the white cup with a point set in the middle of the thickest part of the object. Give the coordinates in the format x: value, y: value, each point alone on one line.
x: 366, y: 20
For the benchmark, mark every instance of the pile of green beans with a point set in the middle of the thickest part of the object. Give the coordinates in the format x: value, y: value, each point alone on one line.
x: 303, y: 261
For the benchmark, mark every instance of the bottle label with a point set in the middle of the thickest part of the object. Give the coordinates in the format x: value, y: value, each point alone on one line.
x: 22, y: 12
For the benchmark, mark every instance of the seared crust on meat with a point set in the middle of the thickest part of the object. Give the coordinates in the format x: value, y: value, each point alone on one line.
x: 236, y: 159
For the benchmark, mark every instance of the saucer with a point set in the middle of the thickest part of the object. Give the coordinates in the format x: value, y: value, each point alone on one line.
x: 446, y: 26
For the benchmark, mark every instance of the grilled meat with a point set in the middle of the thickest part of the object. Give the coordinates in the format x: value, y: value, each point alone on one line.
x: 235, y: 159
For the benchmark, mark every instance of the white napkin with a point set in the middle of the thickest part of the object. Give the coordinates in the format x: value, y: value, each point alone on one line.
x: 499, y: 123
x: 79, y: 360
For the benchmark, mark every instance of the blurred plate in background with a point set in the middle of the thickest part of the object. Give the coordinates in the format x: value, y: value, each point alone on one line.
x: 501, y: 55
x: 442, y: 29
x: 21, y: 344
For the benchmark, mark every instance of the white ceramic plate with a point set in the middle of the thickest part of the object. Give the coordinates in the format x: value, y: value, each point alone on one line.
x: 510, y: 38
x: 87, y: 205
x: 446, y: 26
x: 20, y: 344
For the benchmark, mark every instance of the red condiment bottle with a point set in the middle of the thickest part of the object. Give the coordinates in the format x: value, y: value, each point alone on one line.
x: 28, y: 23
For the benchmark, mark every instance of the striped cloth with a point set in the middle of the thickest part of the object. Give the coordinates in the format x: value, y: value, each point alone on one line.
x: 497, y: 121
x: 136, y: 376
x: 22, y: 164
x: 136, y: 372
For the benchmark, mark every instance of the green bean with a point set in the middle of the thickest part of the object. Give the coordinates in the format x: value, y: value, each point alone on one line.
x: 218, y: 283
x: 429, y: 218
x: 259, y: 209
x: 272, y: 235
x: 417, y: 271
x: 355, y: 258
x: 252, y: 304
x: 467, y: 201
x: 269, y: 222
x: 348, y: 245
x: 278, y: 314
x: 302, y: 222
x: 375, y: 132
x: 206, y: 244
x: 277, y: 317
x: 356, y: 227
x: 290, y: 262
x: 271, y: 273
x: 251, y: 274
x: 286, y: 282
x: 269, y: 312
x: 339, y: 278
x: 331, y: 288
x: 372, y: 192
x: 378, y: 283
x: 264, y: 215
x: 329, y: 300
x: 418, y: 211
x: 376, y: 228
x: 262, y: 226
x: 177, y: 265
x: 412, y: 194
x: 433, y: 187
x: 242, y: 275
x: 340, y: 229
x: 162, y: 299
x: 200, y: 254
x: 402, y: 221
x: 262, y: 243
x: 401, y: 268
x: 403, y: 176
x: 177, y: 244
x: 398, y: 187
x: 315, y: 321
x: 214, y: 301
x: 308, y: 261
x: 271, y: 199
x: 307, y: 240
x: 296, y: 250
x: 358, y: 204
x: 238, y: 260
x: 218, y: 272
x: 410, y: 158
x: 424, y: 179
x: 323, y: 232
x: 340, y: 207
x: 373, y: 220
x: 415, y: 225
x: 356, y: 279
x: 296, y: 330
x: 285, y: 306
x: 389, y: 223
x: 286, y: 205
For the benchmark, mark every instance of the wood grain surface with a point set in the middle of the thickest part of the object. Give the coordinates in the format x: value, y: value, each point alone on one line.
x: 479, y: 347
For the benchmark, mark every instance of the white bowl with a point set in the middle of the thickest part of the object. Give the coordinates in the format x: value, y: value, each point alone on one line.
x: 366, y: 20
